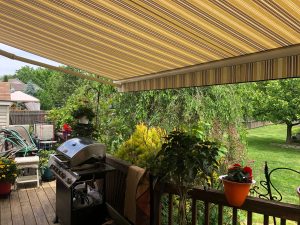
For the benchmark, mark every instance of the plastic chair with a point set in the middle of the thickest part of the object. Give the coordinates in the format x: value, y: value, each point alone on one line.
x: 17, y: 141
x: 44, y: 135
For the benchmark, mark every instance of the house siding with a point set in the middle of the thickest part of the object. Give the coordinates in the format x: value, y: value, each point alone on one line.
x: 4, y: 115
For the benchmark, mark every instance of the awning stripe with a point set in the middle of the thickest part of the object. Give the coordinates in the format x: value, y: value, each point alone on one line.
x: 38, y: 32
x: 285, y: 67
x: 61, y: 28
x: 43, y: 46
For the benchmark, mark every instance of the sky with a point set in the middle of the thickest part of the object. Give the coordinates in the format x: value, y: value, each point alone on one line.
x: 9, y: 66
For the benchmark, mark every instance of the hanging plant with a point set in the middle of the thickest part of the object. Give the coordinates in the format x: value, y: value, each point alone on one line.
x: 83, y: 110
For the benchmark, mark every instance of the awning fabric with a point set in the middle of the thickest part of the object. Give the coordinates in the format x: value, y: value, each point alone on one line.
x: 128, y: 41
x: 278, y: 68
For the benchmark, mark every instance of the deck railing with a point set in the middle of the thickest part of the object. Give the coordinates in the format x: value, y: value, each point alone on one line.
x: 269, y: 209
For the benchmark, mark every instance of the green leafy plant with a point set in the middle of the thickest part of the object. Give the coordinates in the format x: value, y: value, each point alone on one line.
x: 83, y: 110
x: 8, y: 170
x: 83, y: 130
x: 186, y: 160
x: 239, y: 174
x: 44, y: 158
x: 142, y: 146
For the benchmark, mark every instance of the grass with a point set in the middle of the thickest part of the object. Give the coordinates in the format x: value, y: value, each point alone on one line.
x: 262, y: 147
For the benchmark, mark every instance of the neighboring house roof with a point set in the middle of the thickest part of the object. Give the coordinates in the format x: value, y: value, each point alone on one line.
x: 17, y: 85
x: 19, y: 96
x: 5, y: 91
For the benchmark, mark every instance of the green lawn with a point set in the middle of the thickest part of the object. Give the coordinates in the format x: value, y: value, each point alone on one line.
x: 261, y: 148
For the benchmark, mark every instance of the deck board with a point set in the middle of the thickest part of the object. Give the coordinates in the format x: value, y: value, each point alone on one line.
x: 16, y: 210
x: 29, y: 205
x: 5, y: 212
x: 26, y: 208
x: 50, y: 194
x: 37, y: 209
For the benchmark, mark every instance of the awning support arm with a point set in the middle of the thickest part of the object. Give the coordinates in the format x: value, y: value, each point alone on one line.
x: 60, y: 69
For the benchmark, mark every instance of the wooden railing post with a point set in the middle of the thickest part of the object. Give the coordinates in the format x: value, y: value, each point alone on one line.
x: 206, y: 213
x: 282, y: 222
x: 266, y: 220
x: 194, y: 211
x: 249, y: 218
x: 220, y: 214
x: 234, y: 216
x: 155, y: 205
x: 170, y: 209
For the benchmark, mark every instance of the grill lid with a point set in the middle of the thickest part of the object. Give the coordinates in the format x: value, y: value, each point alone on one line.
x: 80, y: 150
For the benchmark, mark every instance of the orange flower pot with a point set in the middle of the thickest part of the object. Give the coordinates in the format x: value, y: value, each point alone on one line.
x: 5, y: 188
x: 236, y: 193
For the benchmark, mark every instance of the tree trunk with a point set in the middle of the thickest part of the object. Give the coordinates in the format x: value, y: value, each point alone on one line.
x: 289, y: 133
x: 181, y: 211
x: 182, y: 206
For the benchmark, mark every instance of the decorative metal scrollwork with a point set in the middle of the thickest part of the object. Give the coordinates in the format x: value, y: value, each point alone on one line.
x: 268, y: 186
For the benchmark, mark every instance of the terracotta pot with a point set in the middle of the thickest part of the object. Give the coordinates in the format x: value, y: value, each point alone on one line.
x: 236, y: 193
x: 5, y: 188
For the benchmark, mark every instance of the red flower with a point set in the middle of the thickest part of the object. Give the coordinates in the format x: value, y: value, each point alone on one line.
x: 67, y: 128
x: 248, y: 170
x: 237, y: 165
x: 234, y: 166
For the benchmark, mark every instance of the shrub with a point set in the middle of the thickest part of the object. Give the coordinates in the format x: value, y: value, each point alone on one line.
x: 142, y: 146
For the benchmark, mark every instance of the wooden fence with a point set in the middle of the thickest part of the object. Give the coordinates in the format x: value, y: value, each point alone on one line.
x: 255, y: 124
x: 26, y: 117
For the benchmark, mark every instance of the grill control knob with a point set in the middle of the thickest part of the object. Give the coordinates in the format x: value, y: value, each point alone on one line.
x: 69, y: 180
x: 63, y: 175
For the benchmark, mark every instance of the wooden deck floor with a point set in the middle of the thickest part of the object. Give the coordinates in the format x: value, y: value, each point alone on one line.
x: 29, y: 206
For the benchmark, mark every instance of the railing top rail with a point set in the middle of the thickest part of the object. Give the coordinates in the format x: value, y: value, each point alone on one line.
x: 117, y: 163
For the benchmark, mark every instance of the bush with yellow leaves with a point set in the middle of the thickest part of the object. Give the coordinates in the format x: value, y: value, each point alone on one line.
x: 142, y: 146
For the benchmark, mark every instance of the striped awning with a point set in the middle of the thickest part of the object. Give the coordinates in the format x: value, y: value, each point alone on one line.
x: 143, y: 44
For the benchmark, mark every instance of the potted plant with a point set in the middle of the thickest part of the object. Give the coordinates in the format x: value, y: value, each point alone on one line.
x: 8, y: 175
x: 84, y: 113
x: 185, y: 160
x: 46, y: 173
x: 237, y: 184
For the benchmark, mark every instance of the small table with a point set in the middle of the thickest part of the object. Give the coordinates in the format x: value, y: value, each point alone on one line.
x: 46, y: 144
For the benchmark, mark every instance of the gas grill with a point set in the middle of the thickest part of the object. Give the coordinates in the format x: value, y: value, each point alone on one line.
x: 80, y: 169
